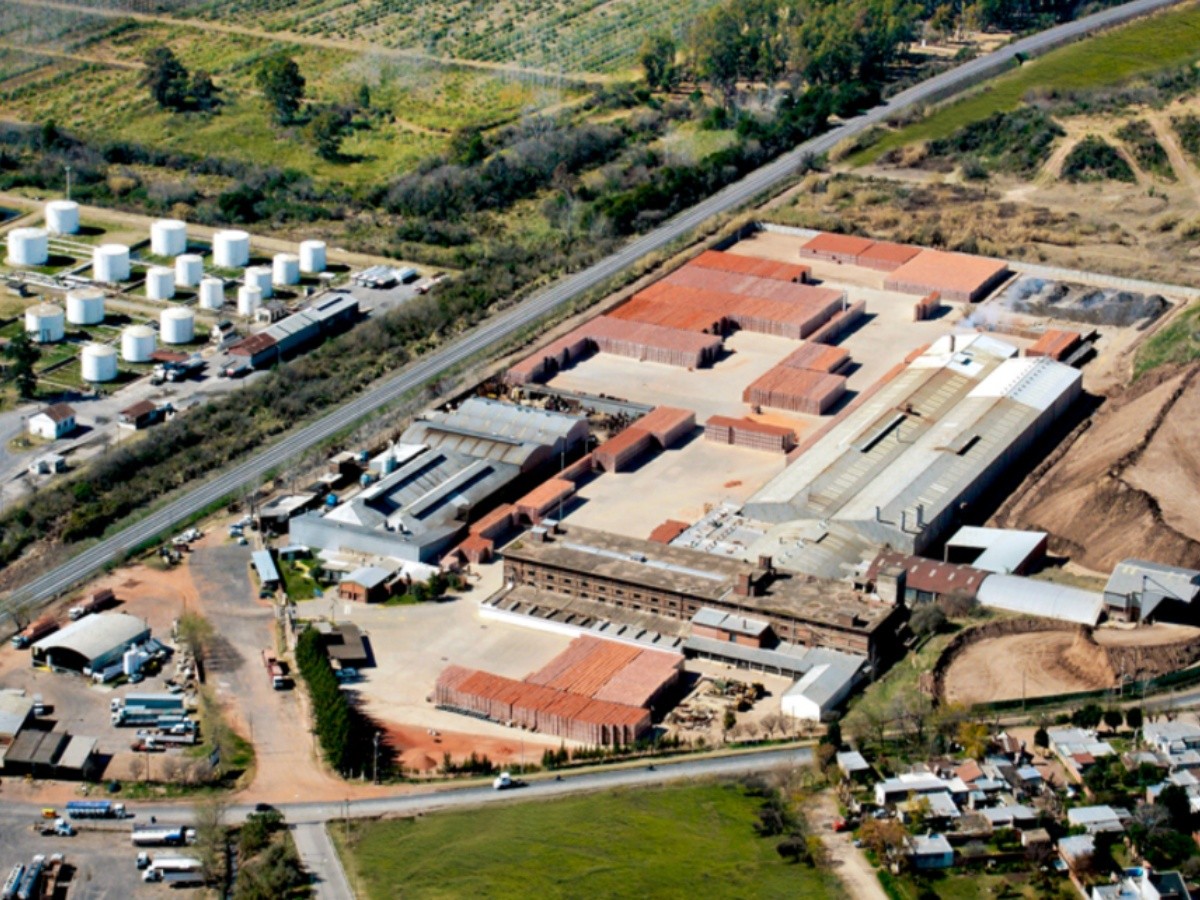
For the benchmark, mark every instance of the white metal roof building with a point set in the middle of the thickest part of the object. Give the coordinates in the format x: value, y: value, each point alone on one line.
x: 524, y: 436
x: 1012, y: 593
x: 898, y: 467
x: 91, y: 643
x: 1004, y: 551
x: 413, y: 514
x: 1137, y: 588
x: 15, y: 710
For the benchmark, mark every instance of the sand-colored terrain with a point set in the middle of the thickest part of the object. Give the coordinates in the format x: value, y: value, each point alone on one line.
x: 1123, y: 488
x: 1030, y: 665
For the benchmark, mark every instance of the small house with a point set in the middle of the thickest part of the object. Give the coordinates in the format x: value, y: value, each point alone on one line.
x: 930, y: 851
x: 53, y: 422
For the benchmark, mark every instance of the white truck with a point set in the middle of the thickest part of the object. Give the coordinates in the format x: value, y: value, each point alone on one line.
x: 174, y: 870
x: 503, y: 782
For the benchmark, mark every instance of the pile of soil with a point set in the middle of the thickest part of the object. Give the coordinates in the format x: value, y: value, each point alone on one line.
x: 1078, y: 303
x: 1120, y: 488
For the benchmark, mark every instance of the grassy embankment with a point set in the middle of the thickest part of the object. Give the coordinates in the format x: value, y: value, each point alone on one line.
x: 1148, y: 45
x: 696, y: 840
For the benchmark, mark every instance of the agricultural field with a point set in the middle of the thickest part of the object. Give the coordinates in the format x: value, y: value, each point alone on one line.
x: 554, y: 36
x: 88, y: 82
x: 694, y: 840
x: 1149, y: 45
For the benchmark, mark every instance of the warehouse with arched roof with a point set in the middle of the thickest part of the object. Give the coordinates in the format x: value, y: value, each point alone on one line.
x: 92, y: 643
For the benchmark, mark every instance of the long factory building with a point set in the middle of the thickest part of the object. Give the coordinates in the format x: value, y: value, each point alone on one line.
x: 675, y: 583
x: 897, y: 468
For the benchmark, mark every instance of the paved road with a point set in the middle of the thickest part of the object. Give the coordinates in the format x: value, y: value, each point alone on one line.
x: 536, y: 307
x: 320, y: 858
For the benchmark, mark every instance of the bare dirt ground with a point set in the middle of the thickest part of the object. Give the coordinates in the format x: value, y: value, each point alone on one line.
x: 1120, y: 489
x: 1002, y: 668
x: 846, y: 862
x: 1144, y: 635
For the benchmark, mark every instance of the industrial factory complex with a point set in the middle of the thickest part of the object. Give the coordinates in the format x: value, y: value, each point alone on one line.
x: 764, y: 461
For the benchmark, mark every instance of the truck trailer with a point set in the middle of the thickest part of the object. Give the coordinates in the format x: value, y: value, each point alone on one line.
x: 93, y: 602
x: 164, y: 702
x: 34, y: 632
x: 95, y: 809
x: 13, y: 882
x: 31, y: 882
x: 162, y: 835
x: 277, y: 671
x: 175, y: 870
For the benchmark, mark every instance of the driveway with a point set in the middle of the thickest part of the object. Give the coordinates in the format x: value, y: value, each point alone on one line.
x: 845, y: 860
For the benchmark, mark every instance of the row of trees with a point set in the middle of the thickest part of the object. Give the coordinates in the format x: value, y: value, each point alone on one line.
x: 346, y: 736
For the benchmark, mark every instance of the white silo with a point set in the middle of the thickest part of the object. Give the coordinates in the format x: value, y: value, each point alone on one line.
x: 62, y: 217
x: 249, y: 300
x: 189, y: 269
x: 177, y: 325
x: 45, y: 323
x: 168, y: 237
x: 137, y: 343
x: 212, y: 293
x: 231, y: 249
x: 28, y: 247
x: 160, y: 283
x: 110, y: 263
x: 285, y: 269
x: 98, y: 362
x: 85, y: 306
x: 312, y: 257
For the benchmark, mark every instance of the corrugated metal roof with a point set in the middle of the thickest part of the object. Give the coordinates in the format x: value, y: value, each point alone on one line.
x: 1136, y: 576
x: 264, y: 565
x: 1004, y: 550
x: 94, y: 636
x: 1013, y: 593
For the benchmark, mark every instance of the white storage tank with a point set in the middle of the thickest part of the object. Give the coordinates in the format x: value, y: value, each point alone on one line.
x: 160, y: 283
x: 189, y: 269
x: 231, y: 249
x: 249, y: 300
x: 260, y: 277
x: 137, y: 343
x: 177, y: 325
x: 62, y: 217
x: 212, y: 293
x: 285, y: 269
x: 85, y: 306
x: 28, y: 247
x: 168, y: 237
x: 98, y: 362
x: 45, y: 323
x: 110, y: 263
x: 312, y: 257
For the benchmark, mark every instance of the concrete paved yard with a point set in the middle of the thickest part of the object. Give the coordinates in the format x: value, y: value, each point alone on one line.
x: 413, y: 644
x: 676, y: 484
x: 712, y: 391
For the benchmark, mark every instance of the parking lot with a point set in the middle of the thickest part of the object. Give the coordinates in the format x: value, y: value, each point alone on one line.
x: 102, y: 863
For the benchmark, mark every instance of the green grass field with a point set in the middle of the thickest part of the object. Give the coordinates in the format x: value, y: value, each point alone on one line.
x: 1177, y: 344
x: 696, y: 840
x: 1149, y: 45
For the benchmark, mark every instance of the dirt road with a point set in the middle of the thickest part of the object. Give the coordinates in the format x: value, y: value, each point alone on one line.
x: 845, y: 860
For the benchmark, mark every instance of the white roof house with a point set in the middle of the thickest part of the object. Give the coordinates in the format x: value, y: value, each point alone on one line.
x: 1171, y: 737
x: 1097, y: 819
x: 892, y: 790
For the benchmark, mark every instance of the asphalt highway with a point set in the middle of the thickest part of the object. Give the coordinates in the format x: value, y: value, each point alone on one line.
x: 529, y: 311
x: 451, y: 797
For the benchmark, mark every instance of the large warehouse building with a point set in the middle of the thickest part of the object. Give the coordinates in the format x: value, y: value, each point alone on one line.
x: 596, y: 692
x: 897, y: 468
x: 92, y: 643
x: 448, y: 466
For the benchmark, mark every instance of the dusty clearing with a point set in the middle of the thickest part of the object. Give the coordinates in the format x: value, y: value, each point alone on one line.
x: 1145, y: 636
x: 1032, y: 665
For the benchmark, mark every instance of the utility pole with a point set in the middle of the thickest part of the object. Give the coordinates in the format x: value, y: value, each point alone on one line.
x: 68, y: 168
x: 375, y: 778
